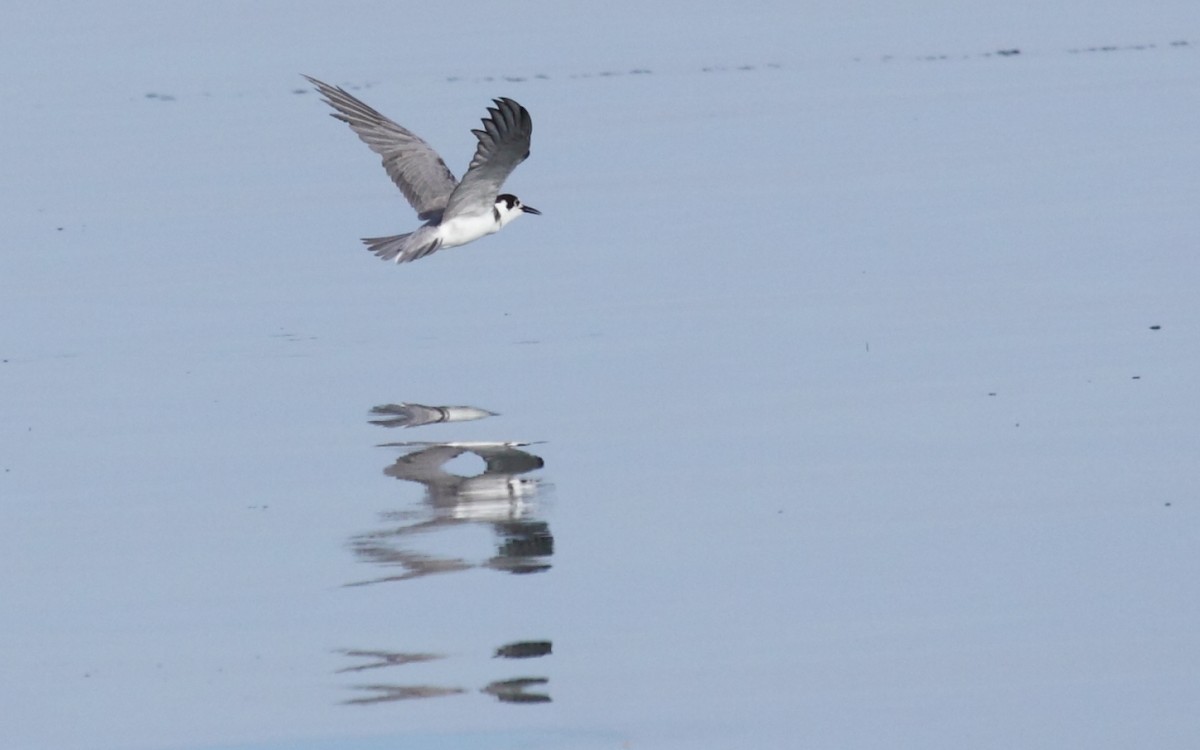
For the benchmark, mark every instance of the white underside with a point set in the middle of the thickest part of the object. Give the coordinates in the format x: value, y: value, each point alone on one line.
x: 463, y: 229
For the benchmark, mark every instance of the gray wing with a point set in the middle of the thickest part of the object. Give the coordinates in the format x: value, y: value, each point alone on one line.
x: 411, y: 162
x: 425, y: 465
x: 503, y: 144
x: 508, y: 460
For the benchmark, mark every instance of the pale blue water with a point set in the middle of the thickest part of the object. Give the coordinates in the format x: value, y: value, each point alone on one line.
x: 850, y: 390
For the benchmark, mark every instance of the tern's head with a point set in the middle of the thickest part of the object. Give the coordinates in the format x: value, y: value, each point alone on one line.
x: 509, y: 207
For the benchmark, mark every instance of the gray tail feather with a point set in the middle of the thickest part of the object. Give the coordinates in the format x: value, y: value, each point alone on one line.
x: 403, y: 248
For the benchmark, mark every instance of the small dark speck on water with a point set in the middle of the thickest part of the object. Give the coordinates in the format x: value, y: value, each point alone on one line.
x: 1155, y: 328
x: 993, y: 393
x: 1168, y: 505
x: 1137, y: 377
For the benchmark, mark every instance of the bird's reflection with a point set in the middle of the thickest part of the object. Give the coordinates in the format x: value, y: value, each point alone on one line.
x: 513, y: 690
x: 517, y: 690
x: 499, y: 492
x: 416, y: 415
x: 524, y: 650
x: 384, y: 659
x: 500, y: 497
x: 389, y: 693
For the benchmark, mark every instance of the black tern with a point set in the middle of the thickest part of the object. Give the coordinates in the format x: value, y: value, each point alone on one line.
x: 454, y: 212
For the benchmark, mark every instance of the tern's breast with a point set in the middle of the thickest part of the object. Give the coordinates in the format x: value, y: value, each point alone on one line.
x: 463, y: 229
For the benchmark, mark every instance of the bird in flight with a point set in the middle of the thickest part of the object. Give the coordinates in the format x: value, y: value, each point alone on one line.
x: 455, y: 212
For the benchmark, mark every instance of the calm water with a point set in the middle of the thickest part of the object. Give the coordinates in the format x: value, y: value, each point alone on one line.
x: 842, y: 400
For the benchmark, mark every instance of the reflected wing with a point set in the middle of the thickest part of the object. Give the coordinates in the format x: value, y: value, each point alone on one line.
x: 425, y: 466
x: 503, y: 144
x: 411, y: 162
x: 508, y: 460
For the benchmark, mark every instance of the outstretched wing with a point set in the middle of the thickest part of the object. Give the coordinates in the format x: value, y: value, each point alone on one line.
x: 411, y: 162
x: 503, y: 144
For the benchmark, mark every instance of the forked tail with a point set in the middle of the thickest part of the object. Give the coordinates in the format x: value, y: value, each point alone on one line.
x: 403, y: 248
